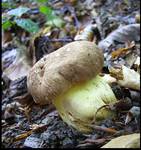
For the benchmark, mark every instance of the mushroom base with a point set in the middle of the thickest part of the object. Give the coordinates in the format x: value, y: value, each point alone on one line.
x: 78, y: 107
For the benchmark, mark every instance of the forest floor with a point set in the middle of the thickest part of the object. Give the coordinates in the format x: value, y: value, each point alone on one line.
x: 54, y: 24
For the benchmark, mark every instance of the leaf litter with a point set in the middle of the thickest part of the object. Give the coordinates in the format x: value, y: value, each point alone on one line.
x: 24, y: 123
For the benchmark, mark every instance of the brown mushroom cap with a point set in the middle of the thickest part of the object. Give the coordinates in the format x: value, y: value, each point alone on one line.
x: 58, y: 71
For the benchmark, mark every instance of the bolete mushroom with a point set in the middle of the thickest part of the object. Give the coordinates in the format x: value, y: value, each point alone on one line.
x: 69, y: 79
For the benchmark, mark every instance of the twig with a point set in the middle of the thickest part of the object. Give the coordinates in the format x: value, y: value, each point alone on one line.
x: 59, y: 40
x: 97, y: 141
x: 23, y: 136
x: 84, y: 145
x: 109, y: 130
x: 104, y: 106
x: 28, y: 133
x: 89, y: 142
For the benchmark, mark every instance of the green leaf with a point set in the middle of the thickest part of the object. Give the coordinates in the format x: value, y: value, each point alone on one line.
x: 28, y: 25
x: 7, y: 5
x: 18, y: 11
x: 45, y: 10
x: 42, y: 1
x: 55, y: 21
x: 6, y: 25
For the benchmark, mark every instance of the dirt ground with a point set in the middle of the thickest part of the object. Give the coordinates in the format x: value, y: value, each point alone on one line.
x: 26, y: 124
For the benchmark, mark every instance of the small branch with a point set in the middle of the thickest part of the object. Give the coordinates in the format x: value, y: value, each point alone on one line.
x: 89, y: 142
x: 59, y: 40
x: 28, y: 133
x: 84, y: 145
x: 109, y: 130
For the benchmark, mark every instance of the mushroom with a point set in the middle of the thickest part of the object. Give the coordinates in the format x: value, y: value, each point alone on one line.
x: 68, y: 78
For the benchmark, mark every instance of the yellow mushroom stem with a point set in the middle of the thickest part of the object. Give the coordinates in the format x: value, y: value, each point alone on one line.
x: 79, y: 104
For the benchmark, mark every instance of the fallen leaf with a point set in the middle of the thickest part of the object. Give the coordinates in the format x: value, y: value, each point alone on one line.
x: 18, y: 11
x: 126, y: 77
x: 134, y: 112
x: 125, y: 141
x: 27, y: 24
x: 19, y: 66
x: 130, y: 59
x: 122, y: 51
x: 6, y: 37
x: 122, y: 35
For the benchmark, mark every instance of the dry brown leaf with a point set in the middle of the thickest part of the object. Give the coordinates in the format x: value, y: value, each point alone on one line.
x: 17, y: 70
x: 122, y: 34
x: 6, y: 37
x: 20, y: 66
x: 122, y: 51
